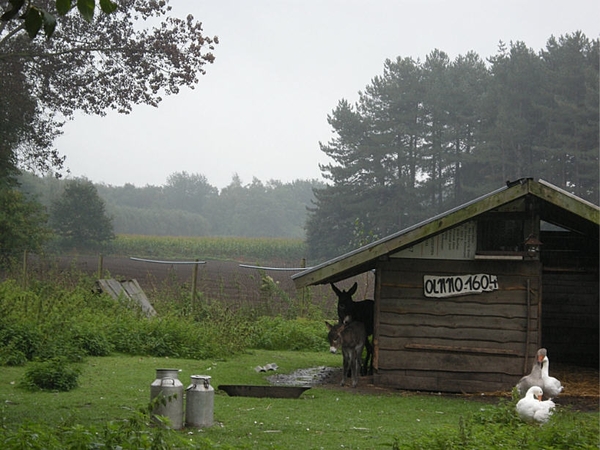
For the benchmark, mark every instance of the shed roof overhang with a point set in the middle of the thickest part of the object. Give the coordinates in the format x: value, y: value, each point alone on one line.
x: 556, y: 206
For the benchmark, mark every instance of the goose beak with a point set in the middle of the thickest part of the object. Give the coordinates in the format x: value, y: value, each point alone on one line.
x: 539, y: 397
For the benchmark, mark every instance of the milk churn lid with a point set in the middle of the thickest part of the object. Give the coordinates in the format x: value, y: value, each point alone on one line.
x: 201, y: 377
x: 165, y: 371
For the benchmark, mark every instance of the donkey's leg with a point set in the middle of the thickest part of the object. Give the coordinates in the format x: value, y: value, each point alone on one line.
x: 353, y: 369
x: 367, y: 367
x: 357, y: 357
x: 370, y: 351
x: 346, y: 367
x: 357, y: 362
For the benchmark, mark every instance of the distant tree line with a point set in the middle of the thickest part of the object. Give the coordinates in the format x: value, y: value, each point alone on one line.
x: 426, y: 136
x: 187, y: 205
x: 74, y: 218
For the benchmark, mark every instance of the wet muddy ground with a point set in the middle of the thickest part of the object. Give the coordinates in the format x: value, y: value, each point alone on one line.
x: 314, y: 376
x: 330, y: 377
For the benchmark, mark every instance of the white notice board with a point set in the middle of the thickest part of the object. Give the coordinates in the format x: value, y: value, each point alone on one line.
x: 457, y: 243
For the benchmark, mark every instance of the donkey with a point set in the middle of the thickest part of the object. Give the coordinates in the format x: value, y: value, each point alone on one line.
x: 358, y: 311
x: 351, y: 337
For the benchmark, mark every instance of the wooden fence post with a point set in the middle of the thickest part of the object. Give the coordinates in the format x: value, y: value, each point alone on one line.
x: 194, y: 280
x: 24, y: 280
x: 304, y: 289
x: 100, y: 266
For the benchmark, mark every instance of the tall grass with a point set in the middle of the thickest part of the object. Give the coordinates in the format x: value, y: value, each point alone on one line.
x: 49, y: 320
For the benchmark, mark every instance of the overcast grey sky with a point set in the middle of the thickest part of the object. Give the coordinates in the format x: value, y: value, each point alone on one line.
x: 281, y: 67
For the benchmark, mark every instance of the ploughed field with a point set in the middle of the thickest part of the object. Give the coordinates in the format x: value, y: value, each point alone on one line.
x: 223, y: 281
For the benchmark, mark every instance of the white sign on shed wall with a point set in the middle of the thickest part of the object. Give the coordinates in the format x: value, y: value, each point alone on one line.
x: 450, y: 286
x: 457, y: 243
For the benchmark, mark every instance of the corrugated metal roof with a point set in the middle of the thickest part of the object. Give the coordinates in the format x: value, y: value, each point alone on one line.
x: 560, y: 208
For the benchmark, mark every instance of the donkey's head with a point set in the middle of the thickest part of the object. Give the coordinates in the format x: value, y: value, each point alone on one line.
x: 335, y: 336
x: 344, y: 306
x: 345, y: 334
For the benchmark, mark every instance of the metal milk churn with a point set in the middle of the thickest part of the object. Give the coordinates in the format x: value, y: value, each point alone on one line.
x: 199, y: 402
x: 170, y: 389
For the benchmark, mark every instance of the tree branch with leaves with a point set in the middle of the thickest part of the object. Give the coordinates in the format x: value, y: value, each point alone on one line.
x: 33, y: 18
x: 134, y: 53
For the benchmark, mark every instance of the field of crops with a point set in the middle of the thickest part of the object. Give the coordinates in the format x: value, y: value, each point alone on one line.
x: 256, y: 250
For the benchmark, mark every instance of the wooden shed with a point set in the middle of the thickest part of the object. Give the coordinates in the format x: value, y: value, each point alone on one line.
x: 464, y: 299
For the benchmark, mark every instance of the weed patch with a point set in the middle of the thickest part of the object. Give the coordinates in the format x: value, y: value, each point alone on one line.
x: 52, y: 375
x: 498, y: 426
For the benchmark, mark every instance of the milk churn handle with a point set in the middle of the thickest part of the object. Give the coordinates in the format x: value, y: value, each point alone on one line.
x: 172, y: 381
x: 206, y: 383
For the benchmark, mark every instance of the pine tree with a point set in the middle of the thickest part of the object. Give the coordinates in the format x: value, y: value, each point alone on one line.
x: 570, y: 140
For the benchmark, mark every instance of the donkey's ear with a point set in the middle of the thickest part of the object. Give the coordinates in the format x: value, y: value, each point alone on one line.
x: 352, y: 290
x: 335, y: 289
x: 329, y: 326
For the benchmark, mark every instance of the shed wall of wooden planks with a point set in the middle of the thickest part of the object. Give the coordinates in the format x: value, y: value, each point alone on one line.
x: 469, y: 343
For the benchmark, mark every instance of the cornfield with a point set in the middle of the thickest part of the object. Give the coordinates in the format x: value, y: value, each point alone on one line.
x: 260, y: 250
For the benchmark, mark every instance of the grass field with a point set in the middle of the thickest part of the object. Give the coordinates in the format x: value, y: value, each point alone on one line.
x: 328, y: 417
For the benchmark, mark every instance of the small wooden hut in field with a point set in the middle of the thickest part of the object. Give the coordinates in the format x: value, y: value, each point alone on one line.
x: 464, y: 300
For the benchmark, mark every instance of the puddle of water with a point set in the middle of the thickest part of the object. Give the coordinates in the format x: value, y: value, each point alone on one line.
x: 304, y: 377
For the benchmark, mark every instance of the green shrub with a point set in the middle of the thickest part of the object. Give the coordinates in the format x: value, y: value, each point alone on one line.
x: 52, y: 375
x: 60, y: 346
x: 19, y: 339
x: 276, y: 333
x: 126, y: 335
x: 175, y: 336
x: 12, y: 356
x: 92, y: 342
x: 151, y: 337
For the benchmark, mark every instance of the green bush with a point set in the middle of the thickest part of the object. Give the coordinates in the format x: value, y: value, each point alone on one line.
x: 277, y: 333
x: 176, y: 336
x: 12, y: 356
x: 92, y: 342
x: 55, y: 320
x: 23, y: 339
x: 59, y: 345
x: 50, y: 321
x: 52, y: 375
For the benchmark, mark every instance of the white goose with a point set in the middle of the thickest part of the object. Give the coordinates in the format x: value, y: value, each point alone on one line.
x: 552, y: 386
x: 535, y: 377
x: 532, y: 409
